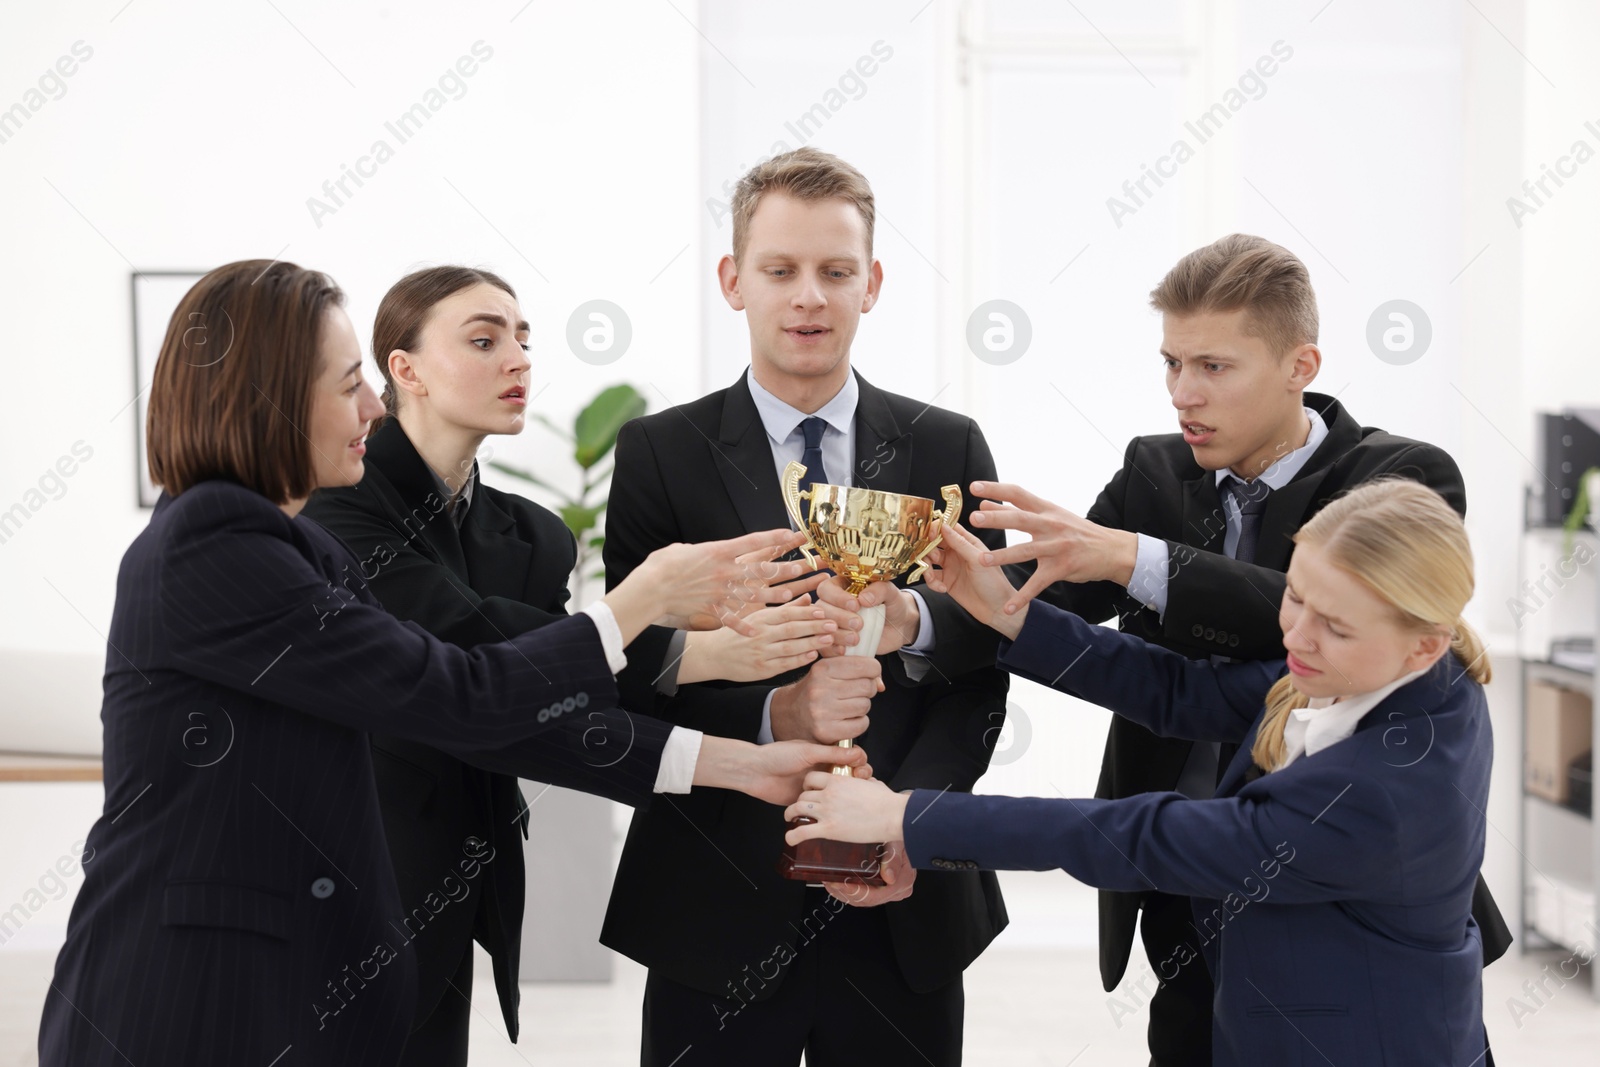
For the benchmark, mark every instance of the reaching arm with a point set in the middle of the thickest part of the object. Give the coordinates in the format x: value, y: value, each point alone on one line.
x: 1317, y: 838
x: 1318, y: 831
x: 640, y: 519
x: 243, y: 608
x: 1163, y: 691
x: 1209, y: 593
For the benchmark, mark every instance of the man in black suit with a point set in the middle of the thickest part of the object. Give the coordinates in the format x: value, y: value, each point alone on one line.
x: 745, y: 966
x: 1188, y: 544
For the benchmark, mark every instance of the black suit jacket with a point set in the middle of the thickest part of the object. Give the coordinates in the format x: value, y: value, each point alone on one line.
x: 238, y: 895
x: 697, y: 896
x: 503, y: 572
x: 1220, y: 606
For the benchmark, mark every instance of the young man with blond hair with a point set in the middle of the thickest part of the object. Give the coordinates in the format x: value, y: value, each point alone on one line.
x: 746, y: 967
x: 1187, y: 546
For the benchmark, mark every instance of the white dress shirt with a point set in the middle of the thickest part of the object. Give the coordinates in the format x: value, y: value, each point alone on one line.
x: 1149, y: 582
x: 682, y: 749
x: 782, y: 423
x: 1328, y: 720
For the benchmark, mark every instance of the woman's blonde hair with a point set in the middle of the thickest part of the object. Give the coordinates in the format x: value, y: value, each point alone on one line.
x: 1406, y: 544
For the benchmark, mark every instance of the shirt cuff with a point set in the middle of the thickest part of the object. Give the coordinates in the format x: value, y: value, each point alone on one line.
x: 610, y: 636
x: 667, y: 680
x: 924, y: 642
x: 764, y: 735
x: 1149, y: 582
x: 678, y: 757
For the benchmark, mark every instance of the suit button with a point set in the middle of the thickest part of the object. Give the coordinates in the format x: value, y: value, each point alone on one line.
x: 1222, y: 637
x: 1233, y: 640
x: 1198, y: 629
x: 1210, y: 633
x: 972, y: 865
x: 322, y: 888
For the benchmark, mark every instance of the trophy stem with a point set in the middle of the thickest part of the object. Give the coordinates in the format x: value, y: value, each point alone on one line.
x: 871, y: 631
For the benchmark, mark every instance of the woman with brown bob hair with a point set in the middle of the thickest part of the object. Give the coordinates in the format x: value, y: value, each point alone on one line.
x: 238, y: 903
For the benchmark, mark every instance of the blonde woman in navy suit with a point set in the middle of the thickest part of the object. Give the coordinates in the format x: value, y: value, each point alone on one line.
x: 1333, y: 872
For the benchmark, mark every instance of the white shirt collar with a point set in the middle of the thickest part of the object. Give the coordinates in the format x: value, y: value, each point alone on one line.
x: 782, y: 419
x: 1326, y: 722
x: 1286, y: 466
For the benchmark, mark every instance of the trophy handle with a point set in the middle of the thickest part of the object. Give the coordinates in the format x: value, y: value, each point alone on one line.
x: 951, y: 513
x: 952, y: 503
x: 790, y: 484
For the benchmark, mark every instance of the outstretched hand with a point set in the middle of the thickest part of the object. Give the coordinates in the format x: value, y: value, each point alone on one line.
x: 1066, y: 546
x: 718, y: 583
x: 983, y: 591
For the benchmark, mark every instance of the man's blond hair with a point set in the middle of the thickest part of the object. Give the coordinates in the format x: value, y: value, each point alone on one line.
x: 1242, y: 271
x: 805, y: 174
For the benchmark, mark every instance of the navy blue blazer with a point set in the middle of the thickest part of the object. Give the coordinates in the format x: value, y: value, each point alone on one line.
x: 239, y: 903
x: 1333, y: 897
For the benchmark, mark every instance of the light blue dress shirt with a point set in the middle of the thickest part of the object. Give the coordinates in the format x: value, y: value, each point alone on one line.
x: 1149, y: 582
x: 782, y: 423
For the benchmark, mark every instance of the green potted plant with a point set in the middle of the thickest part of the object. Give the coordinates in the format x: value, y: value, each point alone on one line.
x: 593, y: 435
x: 1584, y: 506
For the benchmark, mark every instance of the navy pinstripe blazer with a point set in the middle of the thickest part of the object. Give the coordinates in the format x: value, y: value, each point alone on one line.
x: 238, y: 903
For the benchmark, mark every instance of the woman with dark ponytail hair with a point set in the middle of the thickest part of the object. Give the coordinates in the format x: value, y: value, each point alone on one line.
x: 471, y: 563
x: 1333, y: 872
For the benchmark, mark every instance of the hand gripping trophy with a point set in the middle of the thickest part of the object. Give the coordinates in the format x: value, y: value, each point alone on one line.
x: 865, y: 536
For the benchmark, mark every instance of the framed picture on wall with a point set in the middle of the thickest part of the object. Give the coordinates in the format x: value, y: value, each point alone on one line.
x: 155, y: 297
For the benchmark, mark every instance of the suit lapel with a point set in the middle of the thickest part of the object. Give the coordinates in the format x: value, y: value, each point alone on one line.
x: 1204, y: 524
x: 743, y: 455
x: 743, y: 458
x: 1233, y: 778
x: 421, y: 504
x: 496, y: 554
x: 883, y: 452
x: 1288, y: 508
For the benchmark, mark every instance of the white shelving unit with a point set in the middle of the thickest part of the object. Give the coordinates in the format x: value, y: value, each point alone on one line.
x: 1560, y: 847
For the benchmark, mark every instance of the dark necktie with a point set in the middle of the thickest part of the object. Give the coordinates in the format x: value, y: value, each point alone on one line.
x: 813, y: 428
x: 458, y: 509
x: 1251, y: 499
x: 1203, y: 767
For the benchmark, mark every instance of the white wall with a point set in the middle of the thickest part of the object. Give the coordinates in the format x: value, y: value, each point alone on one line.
x: 195, y: 134
x: 1383, y: 151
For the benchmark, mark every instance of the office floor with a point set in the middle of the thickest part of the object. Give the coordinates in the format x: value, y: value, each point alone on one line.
x: 1024, y: 1007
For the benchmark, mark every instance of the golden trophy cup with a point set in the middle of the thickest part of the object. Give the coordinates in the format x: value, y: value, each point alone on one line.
x: 865, y: 536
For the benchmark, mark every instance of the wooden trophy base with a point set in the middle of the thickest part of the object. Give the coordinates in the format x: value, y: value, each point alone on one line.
x: 817, y: 861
